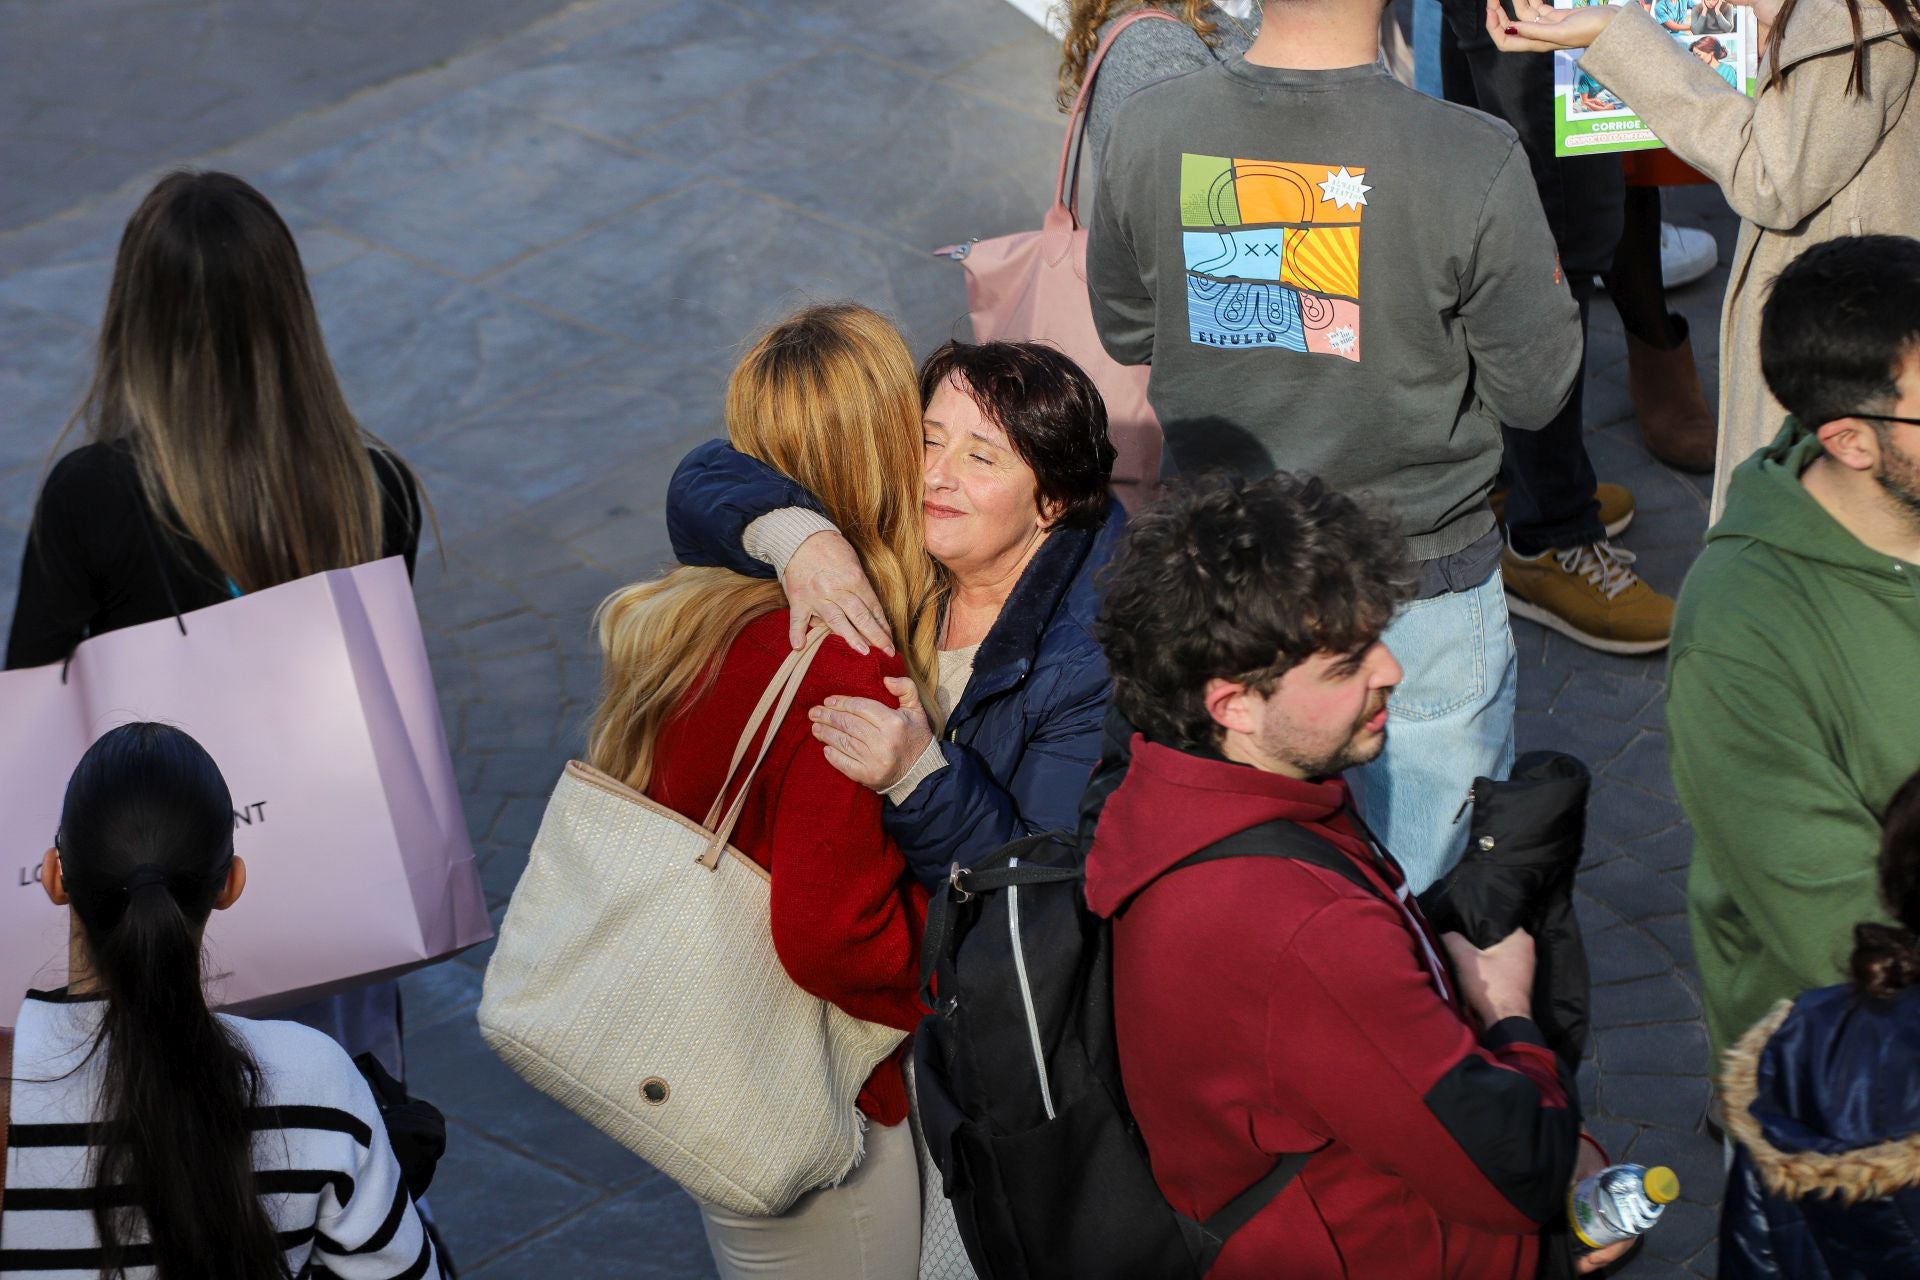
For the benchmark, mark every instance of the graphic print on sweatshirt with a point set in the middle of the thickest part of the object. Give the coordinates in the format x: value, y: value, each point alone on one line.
x: 1273, y: 253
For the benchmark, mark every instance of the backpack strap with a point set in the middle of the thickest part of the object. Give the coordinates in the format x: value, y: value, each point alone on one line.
x: 1239, y: 1211
x: 1281, y: 839
x: 1284, y: 839
x: 1277, y: 839
x: 962, y: 884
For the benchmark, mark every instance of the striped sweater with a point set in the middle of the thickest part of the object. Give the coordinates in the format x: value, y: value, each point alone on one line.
x: 327, y: 1177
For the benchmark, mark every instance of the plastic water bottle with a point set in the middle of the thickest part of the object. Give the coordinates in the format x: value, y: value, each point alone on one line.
x: 1620, y: 1202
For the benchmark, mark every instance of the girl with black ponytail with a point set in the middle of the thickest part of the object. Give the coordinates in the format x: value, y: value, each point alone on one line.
x: 151, y: 1137
x: 1823, y: 1102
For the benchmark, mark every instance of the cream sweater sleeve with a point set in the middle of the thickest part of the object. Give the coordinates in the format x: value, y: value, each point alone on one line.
x: 774, y: 537
x: 931, y: 761
x: 1779, y: 156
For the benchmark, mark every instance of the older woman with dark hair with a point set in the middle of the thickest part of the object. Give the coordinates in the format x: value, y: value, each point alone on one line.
x: 1018, y: 515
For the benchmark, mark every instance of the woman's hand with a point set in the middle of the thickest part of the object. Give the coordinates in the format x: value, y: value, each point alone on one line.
x: 1540, y: 28
x: 870, y: 742
x: 824, y: 580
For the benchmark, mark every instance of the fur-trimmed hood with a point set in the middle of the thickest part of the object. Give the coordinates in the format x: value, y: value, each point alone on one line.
x: 1823, y: 1096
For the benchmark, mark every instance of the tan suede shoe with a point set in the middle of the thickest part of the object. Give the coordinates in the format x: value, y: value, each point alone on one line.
x: 1589, y: 594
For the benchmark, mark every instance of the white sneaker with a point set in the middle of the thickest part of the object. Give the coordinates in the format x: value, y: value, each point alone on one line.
x: 1686, y: 254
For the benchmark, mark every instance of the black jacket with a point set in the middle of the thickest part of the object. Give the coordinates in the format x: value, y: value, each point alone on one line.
x: 1517, y: 873
x: 97, y: 559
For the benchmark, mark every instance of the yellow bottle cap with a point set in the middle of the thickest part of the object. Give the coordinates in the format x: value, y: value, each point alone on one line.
x: 1661, y: 1184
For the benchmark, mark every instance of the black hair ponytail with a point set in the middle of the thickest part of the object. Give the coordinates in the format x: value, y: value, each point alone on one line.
x: 1886, y: 958
x: 146, y: 838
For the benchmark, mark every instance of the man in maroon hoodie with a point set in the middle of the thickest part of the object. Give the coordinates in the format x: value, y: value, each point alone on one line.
x: 1270, y: 1005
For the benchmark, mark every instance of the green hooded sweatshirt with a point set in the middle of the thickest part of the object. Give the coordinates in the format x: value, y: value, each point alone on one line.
x: 1793, y: 714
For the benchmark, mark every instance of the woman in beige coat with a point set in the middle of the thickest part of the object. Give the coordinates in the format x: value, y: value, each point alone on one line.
x: 1829, y: 147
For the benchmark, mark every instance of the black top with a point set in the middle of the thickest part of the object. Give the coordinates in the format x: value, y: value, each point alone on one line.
x: 94, y: 554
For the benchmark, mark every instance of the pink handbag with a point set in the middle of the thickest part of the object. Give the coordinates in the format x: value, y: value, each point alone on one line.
x: 316, y: 701
x: 1033, y: 285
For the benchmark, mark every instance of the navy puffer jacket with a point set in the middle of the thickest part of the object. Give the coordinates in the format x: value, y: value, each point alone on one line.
x: 1024, y: 738
x: 1823, y: 1104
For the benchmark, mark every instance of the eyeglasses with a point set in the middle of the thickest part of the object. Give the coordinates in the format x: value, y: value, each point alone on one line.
x: 1881, y: 417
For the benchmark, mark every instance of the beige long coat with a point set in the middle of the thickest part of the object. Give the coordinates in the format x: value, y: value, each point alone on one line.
x: 1802, y: 162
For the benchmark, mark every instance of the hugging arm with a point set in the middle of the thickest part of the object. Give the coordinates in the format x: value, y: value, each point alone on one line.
x: 715, y: 494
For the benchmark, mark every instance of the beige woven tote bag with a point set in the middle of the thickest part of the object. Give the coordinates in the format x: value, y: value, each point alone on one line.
x: 635, y: 982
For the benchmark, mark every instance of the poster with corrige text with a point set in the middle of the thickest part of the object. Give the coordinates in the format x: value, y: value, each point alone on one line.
x: 1589, y: 119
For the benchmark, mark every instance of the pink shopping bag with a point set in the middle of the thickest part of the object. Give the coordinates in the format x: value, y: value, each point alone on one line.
x: 1032, y: 285
x: 316, y: 700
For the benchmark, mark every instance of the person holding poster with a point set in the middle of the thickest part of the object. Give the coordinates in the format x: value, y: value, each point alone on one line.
x: 1561, y: 566
x: 1829, y: 145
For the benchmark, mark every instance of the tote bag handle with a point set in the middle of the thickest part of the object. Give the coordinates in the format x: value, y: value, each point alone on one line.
x: 1066, y: 200
x: 771, y: 711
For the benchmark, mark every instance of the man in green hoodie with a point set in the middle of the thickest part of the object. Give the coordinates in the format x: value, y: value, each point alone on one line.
x: 1794, y: 690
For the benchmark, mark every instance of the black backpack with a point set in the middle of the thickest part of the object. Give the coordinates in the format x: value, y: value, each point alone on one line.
x: 1018, y: 1075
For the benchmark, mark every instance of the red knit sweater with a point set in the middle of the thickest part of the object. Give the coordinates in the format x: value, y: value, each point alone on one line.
x: 847, y: 914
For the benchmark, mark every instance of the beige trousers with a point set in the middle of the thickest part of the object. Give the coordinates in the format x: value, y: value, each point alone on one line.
x: 867, y: 1228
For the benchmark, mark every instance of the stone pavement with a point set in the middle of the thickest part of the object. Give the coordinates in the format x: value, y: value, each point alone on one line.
x: 536, y: 235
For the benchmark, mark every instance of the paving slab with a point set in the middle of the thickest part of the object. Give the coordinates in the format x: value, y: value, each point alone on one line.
x: 97, y: 91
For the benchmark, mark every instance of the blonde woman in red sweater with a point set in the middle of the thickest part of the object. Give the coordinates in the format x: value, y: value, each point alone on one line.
x: 828, y: 398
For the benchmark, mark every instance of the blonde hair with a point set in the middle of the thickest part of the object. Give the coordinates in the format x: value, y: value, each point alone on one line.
x: 1086, y: 17
x: 829, y: 399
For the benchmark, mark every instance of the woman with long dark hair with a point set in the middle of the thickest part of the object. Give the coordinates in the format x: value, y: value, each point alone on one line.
x: 1828, y: 146
x: 1822, y: 1106
x: 150, y: 1136
x: 220, y: 458
x: 220, y: 454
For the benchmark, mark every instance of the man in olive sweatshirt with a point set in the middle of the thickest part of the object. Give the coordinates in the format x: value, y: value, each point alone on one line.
x: 1793, y: 707
x: 1332, y: 273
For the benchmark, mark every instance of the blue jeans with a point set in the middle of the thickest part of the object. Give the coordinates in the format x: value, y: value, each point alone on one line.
x: 1449, y: 722
x: 1426, y: 48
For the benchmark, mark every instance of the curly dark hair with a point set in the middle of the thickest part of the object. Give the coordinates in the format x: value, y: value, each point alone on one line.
x: 1241, y: 580
x: 1886, y: 958
x: 1051, y: 411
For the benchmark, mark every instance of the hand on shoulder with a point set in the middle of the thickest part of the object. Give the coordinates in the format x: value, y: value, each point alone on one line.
x: 874, y: 741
